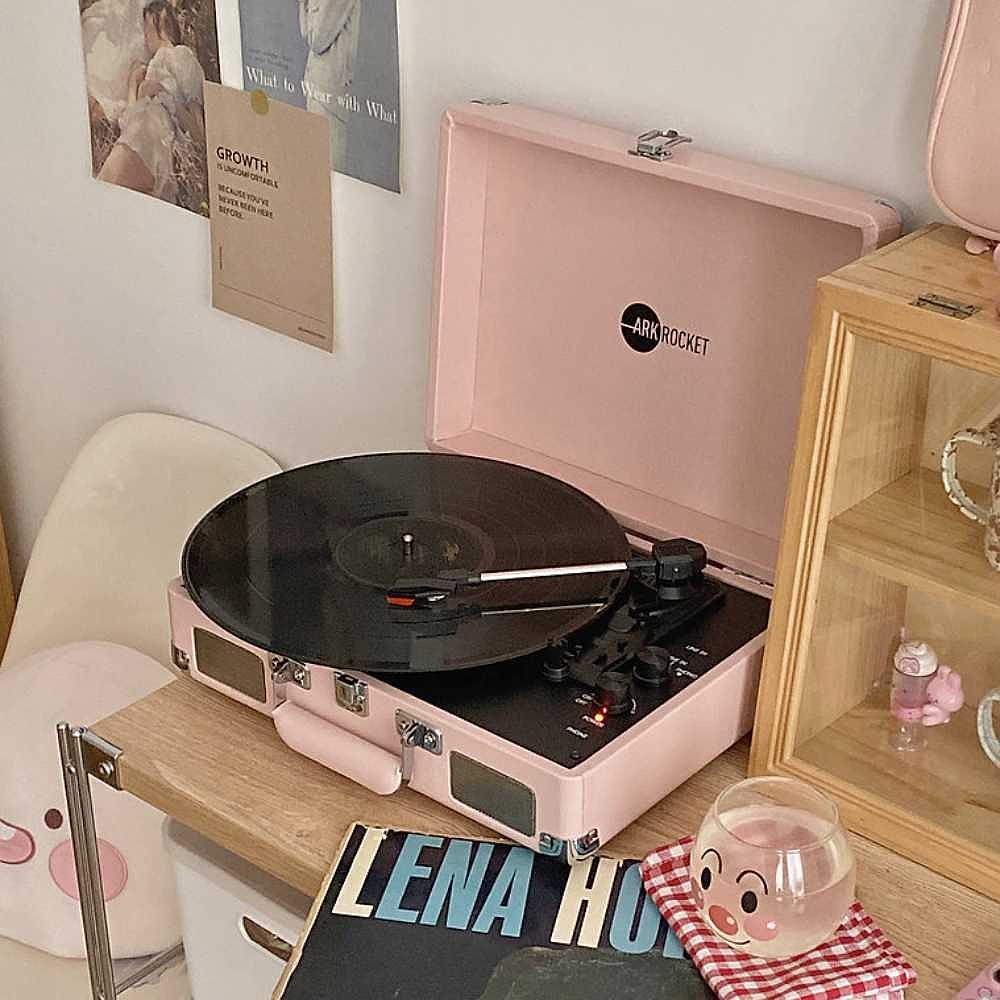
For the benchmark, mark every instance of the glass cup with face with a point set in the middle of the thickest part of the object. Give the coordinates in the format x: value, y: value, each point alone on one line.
x: 772, y: 872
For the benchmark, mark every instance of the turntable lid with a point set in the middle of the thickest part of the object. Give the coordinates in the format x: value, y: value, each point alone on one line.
x: 634, y: 327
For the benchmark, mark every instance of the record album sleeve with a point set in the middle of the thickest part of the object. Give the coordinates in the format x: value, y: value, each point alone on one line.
x: 412, y: 916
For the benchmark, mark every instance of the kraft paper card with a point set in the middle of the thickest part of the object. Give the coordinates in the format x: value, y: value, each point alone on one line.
x: 271, y: 211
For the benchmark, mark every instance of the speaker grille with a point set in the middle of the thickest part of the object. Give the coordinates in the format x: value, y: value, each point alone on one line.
x: 231, y: 665
x: 492, y: 793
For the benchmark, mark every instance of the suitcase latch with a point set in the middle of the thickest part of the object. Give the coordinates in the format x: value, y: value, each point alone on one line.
x: 351, y: 693
x: 659, y: 145
x: 415, y: 735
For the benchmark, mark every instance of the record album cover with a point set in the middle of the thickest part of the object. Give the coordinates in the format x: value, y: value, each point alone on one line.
x: 411, y: 916
x: 338, y: 58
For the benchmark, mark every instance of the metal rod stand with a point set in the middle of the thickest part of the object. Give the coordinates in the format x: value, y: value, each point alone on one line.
x: 84, y: 754
x: 88, y: 867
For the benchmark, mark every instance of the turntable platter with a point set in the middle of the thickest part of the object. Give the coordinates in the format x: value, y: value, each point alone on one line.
x: 299, y: 564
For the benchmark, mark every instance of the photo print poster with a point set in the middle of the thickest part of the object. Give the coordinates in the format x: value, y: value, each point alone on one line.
x: 339, y: 58
x: 146, y: 62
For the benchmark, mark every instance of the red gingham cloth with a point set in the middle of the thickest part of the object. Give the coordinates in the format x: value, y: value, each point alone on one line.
x: 858, y: 961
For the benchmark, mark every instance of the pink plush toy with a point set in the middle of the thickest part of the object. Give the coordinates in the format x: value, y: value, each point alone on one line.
x: 944, y: 696
x: 39, y: 898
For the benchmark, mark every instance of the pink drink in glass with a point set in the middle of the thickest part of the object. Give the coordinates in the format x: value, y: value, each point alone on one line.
x: 772, y: 872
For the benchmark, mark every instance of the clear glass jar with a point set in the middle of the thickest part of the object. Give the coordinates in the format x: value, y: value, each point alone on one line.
x: 772, y: 872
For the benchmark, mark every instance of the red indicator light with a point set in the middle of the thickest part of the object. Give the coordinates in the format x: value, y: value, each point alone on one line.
x: 400, y: 602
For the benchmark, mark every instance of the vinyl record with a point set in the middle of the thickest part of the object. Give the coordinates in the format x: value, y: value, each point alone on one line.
x: 299, y: 564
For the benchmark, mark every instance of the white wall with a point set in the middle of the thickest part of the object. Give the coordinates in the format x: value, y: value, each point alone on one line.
x: 104, y: 294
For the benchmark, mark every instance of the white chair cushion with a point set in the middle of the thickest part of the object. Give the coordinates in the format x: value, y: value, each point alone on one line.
x: 111, y: 540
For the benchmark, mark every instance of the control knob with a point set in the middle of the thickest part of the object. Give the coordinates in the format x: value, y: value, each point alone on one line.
x: 613, y: 694
x: 653, y: 667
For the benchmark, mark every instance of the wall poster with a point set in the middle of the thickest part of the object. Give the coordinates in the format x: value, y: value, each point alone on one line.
x: 272, y: 228
x: 146, y: 62
x: 339, y: 58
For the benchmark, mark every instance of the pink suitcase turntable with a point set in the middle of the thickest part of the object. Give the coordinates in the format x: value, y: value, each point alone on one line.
x: 517, y: 624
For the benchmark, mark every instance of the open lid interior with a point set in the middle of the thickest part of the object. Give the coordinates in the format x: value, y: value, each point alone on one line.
x: 679, y: 414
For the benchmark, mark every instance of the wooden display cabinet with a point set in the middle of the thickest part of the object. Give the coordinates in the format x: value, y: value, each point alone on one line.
x: 872, y: 545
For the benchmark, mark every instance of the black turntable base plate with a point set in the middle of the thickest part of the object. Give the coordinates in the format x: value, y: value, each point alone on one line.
x: 299, y: 564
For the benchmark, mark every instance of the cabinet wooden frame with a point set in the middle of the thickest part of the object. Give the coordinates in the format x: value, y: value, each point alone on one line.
x: 864, y: 310
x: 6, y: 593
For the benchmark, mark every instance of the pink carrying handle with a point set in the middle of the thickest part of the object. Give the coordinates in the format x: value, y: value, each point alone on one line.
x: 338, y: 750
x: 987, y: 438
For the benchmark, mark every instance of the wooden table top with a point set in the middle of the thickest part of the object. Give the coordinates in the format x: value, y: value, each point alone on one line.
x: 222, y: 770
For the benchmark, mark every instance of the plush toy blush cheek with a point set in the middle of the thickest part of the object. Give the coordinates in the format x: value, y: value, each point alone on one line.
x: 114, y: 870
x: 761, y: 928
x: 16, y: 845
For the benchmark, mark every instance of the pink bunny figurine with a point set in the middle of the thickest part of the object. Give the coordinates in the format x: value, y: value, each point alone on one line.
x: 977, y: 245
x: 944, y: 696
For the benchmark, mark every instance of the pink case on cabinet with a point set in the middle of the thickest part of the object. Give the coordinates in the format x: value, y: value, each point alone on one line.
x: 963, y: 150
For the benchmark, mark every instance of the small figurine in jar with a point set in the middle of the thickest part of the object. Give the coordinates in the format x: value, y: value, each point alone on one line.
x: 914, y: 665
x: 924, y: 693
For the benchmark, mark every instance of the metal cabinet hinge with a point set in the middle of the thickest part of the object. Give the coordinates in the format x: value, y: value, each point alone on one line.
x: 351, y: 694
x: 286, y: 671
x: 948, y: 307
x: 659, y: 145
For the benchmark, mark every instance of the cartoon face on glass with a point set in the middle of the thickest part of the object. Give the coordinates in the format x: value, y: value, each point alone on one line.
x: 772, y: 873
x: 741, y: 911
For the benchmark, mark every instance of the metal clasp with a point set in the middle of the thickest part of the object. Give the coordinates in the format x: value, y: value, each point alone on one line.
x: 413, y: 735
x: 658, y: 145
x: 286, y: 671
x: 351, y: 694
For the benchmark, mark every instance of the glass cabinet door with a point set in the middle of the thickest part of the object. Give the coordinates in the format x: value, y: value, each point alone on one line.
x: 907, y: 599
